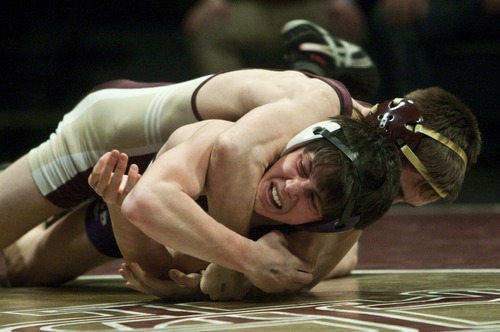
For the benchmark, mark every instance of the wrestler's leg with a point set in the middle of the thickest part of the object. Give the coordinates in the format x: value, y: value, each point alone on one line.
x: 22, y: 205
x: 137, y: 119
x: 54, y: 254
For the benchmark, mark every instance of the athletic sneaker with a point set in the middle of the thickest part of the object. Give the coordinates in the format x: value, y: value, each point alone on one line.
x: 308, y: 47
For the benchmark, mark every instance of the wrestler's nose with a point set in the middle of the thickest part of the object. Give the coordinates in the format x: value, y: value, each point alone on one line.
x: 298, y: 187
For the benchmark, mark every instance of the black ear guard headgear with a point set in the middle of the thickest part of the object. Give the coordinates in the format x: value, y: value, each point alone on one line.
x: 402, y: 121
x: 328, y: 130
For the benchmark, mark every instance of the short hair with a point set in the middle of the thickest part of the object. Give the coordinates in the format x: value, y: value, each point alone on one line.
x: 334, y: 173
x: 444, y: 113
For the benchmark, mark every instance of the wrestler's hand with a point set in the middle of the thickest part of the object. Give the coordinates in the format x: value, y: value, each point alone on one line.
x: 223, y: 284
x: 275, y: 269
x: 182, y: 286
x: 108, y: 177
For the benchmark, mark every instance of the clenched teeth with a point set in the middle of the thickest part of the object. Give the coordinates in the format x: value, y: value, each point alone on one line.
x: 276, y: 197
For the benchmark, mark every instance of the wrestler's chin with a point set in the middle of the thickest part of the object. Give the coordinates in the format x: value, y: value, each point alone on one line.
x: 260, y: 210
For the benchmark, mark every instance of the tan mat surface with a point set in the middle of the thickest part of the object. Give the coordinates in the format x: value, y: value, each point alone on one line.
x: 383, y: 300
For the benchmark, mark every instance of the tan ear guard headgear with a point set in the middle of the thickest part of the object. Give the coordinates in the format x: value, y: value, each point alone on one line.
x: 403, y: 123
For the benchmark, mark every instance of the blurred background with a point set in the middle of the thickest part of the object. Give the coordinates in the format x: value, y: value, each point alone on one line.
x: 53, y: 52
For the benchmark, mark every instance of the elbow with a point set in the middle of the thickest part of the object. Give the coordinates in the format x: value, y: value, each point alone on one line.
x: 135, y: 207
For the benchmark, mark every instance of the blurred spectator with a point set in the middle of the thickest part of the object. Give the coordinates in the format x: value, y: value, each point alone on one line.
x: 454, y: 44
x: 224, y: 35
x: 401, y: 35
x: 407, y: 35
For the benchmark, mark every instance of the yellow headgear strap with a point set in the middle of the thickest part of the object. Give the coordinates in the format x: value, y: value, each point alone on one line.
x: 419, y: 166
x: 443, y: 140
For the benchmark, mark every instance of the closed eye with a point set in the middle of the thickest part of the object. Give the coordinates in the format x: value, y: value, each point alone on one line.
x: 305, y: 171
x: 305, y: 166
x: 302, y: 169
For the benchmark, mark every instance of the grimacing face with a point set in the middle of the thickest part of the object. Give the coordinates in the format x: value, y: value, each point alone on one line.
x: 286, y: 193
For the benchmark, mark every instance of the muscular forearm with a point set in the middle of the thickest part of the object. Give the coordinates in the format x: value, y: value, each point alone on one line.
x: 326, y: 251
x: 346, y: 265
x: 333, y: 253
x: 181, y: 224
x: 136, y: 247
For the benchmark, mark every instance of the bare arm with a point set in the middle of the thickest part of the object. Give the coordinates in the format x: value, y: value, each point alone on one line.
x: 108, y: 179
x: 162, y: 206
x: 347, y: 264
x: 326, y: 251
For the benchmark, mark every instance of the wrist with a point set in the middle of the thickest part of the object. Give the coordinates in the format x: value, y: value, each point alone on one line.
x: 246, y: 257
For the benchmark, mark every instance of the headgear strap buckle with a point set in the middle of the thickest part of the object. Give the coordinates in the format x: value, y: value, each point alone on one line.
x: 397, y: 117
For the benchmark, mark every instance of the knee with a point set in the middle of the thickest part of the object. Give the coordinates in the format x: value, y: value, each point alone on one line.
x: 23, y: 270
x: 25, y: 276
x: 17, y: 268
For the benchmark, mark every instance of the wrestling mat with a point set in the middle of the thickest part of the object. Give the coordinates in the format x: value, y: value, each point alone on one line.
x: 419, y: 270
x: 385, y: 300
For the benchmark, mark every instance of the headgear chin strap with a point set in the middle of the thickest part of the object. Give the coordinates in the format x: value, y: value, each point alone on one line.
x: 402, y: 121
x: 327, y: 130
